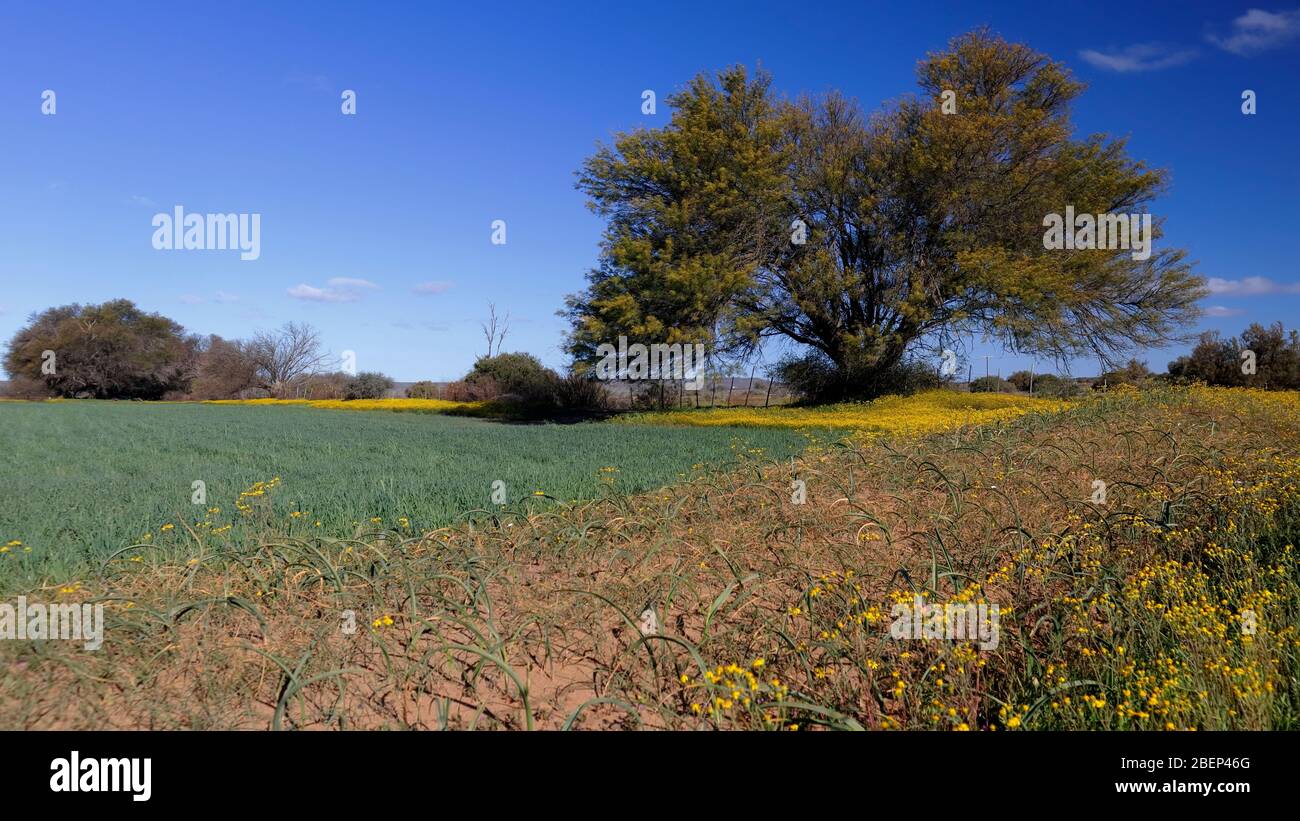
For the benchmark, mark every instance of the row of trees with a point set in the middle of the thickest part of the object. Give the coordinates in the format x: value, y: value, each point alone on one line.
x: 117, y: 351
x: 1262, y: 357
x: 1265, y: 357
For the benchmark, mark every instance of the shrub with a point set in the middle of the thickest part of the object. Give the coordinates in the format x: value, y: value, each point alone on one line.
x: 368, y: 385
x: 1134, y: 373
x: 580, y: 392
x: 814, y: 378
x: 1053, y: 386
x: 322, y: 386
x: 484, y: 389
x: 517, y: 375
x: 424, y: 389
x: 20, y: 387
x: 990, y: 384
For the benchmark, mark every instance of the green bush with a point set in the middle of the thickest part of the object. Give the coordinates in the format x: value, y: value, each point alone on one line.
x: 424, y: 389
x: 1134, y: 373
x: 514, y: 375
x: 990, y: 384
x: 1051, y: 385
x: 368, y: 385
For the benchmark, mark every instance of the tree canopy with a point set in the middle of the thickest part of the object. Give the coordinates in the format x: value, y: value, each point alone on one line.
x: 109, y: 351
x: 1263, y: 357
x: 862, y: 238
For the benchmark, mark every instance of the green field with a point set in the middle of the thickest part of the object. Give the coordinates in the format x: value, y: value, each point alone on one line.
x: 80, y: 480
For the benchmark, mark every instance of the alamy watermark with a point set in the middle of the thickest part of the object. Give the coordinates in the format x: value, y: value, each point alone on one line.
x: 128, y: 775
x: 1109, y: 232
x: 954, y: 621
x: 52, y: 622
x: 655, y: 361
x: 179, y: 231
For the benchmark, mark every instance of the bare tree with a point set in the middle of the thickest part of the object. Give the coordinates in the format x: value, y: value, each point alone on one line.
x: 286, y: 354
x: 495, y: 331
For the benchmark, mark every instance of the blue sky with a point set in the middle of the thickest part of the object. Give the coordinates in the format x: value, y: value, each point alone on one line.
x: 471, y: 113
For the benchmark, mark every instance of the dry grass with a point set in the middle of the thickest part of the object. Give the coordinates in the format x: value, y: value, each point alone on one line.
x: 771, y: 615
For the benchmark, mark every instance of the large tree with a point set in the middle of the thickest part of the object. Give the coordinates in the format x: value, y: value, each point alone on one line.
x: 285, y: 356
x: 859, y: 238
x: 108, y: 351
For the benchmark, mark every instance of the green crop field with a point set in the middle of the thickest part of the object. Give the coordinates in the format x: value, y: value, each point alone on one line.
x: 80, y: 480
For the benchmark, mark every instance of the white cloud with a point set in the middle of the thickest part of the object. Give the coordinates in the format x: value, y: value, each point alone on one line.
x: 314, y: 294
x: 136, y: 199
x: 350, y: 283
x: 1139, y: 57
x: 1257, y: 31
x: 1251, y: 286
x: 338, y: 289
x: 1223, y: 310
x: 432, y: 287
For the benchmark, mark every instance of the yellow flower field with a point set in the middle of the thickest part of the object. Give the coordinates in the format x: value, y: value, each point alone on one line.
x: 417, y: 405
x: 926, y: 412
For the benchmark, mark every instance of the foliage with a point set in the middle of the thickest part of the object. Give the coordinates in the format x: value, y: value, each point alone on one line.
x: 368, y: 385
x: 483, y: 389
x: 989, y: 384
x: 1135, y: 373
x: 1218, y: 361
x: 1051, y: 385
x: 919, y: 224
x: 225, y: 370
x: 108, y: 351
x: 518, y: 375
x: 580, y: 392
x: 22, y: 387
x: 424, y: 389
x: 815, y: 378
x: 320, y: 386
x: 1022, y: 379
